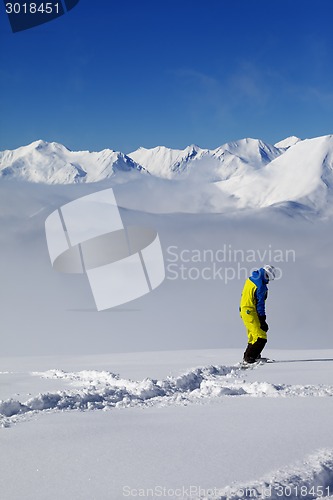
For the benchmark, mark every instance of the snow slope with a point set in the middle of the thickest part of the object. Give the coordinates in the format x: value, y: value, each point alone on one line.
x: 242, y: 157
x: 288, y: 142
x: 186, y: 434
x: 303, y: 175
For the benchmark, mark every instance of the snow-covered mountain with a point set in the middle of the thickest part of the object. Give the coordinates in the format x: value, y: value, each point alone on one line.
x: 165, y: 162
x: 53, y: 163
x: 215, y: 164
x: 302, y: 176
x: 294, y: 175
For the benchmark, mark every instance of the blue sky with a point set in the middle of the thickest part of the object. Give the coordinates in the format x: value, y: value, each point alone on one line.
x: 120, y: 75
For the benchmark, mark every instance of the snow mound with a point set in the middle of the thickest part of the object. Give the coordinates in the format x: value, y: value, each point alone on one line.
x: 102, y: 390
x: 311, y: 479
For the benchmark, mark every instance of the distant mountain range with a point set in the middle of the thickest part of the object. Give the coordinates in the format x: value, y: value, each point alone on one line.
x: 53, y: 163
x: 248, y: 173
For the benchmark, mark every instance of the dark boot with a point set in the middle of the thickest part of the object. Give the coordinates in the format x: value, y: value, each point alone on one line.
x: 257, y: 348
x: 248, y: 356
x: 253, y: 351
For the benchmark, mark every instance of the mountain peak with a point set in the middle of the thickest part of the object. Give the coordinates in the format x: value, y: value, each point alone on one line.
x: 288, y: 142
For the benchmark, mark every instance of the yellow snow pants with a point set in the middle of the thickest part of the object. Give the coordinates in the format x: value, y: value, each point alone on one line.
x: 251, y: 321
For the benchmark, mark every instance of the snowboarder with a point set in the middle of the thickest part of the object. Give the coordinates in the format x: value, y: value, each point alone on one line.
x: 252, y: 311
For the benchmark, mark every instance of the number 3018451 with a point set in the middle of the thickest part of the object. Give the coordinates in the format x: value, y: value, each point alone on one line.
x: 32, y: 8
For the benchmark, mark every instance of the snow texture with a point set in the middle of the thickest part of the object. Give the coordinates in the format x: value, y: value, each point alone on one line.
x: 104, y: 390
x: 92, y: 390
x: 311, y: 479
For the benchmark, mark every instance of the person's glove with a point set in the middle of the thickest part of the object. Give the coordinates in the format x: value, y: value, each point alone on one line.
x: 263, y: 324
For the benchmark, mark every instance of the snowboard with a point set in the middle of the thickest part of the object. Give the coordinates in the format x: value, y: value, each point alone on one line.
x: 262, y: 361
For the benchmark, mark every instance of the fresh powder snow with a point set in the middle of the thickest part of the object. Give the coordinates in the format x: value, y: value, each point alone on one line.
x: 225, y: 430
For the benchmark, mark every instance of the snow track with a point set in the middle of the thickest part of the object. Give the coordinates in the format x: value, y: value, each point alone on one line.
x: 86, y: 390
x: 93, y: 390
